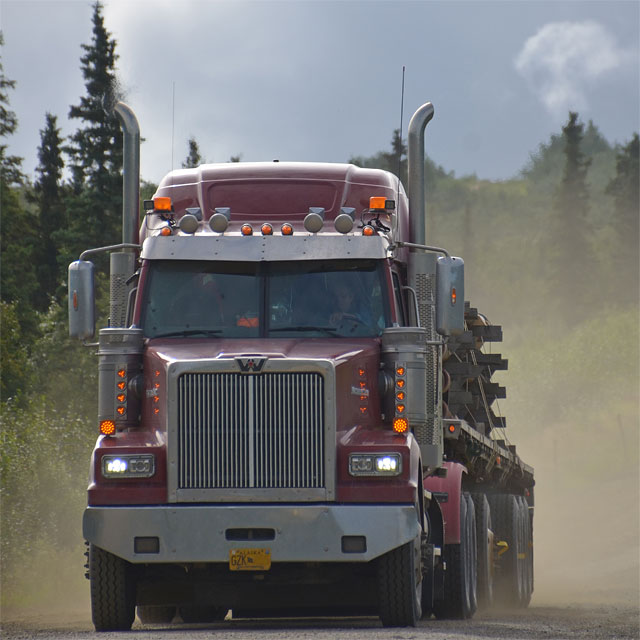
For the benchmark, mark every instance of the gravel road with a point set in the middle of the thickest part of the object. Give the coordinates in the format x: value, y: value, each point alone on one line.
x: 556, y: 623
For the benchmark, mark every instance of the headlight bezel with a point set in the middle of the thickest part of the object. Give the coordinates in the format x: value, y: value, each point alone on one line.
x: 384, y: 464
x: 136, y: 465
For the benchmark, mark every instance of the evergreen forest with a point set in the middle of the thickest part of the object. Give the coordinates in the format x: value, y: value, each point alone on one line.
x: 551, y: 255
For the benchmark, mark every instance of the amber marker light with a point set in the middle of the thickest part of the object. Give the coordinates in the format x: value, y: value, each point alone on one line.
x: 286, y: 229
x: 162, y: 203
x: 165, y: 231
x: 246, y: 230
x: 107, y: 427
x: 454, y: 295
x: 400, y: 425
x: 400, y: 395
x: 122, y: 373
x: 400, y: 384
x: 400, y: 371
x: 368, y: 231
x: 400, y: 408
x: 377, y: 202
x: 452, y: 428
x: 267, y: 229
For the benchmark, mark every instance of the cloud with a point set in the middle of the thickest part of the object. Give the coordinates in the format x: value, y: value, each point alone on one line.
x: 563, y: 60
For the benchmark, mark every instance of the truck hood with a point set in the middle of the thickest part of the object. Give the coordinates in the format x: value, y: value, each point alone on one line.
x: 337, y: 350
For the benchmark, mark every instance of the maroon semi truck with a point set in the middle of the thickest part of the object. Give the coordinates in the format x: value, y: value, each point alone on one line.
x: 295, y: 406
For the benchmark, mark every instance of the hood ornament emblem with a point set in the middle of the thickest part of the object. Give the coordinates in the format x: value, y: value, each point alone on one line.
x: 252, y: 364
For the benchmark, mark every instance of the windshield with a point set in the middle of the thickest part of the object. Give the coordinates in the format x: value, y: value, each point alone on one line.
x: 343, y: 298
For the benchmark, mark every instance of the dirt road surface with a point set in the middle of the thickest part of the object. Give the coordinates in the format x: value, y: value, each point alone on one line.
x: 556, y: 623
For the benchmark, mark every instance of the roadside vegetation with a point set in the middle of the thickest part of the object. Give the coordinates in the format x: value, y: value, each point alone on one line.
x: 551, y: 255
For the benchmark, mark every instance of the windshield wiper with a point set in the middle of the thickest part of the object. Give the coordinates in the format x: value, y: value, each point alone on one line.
x: 185, y: 333
x: 328, y: 330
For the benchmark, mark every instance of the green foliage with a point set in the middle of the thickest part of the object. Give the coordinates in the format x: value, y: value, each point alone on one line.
x: 194, y: 159
x: 96, y: 147
x: 16, y: 371
x: 49, y: 198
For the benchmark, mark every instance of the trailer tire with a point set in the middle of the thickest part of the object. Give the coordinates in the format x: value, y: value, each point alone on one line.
x: 113, y: 591
x: 528, y: 553
x: 193, y: 613
x: 400, y: 586
x: 507, y: 519
x: 460, y: 594
x: 484, y: 535
x: 156, y: 614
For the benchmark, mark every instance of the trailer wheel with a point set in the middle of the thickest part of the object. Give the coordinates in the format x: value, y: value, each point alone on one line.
x: 528, y: 553
x: 460, y: 595
x: 484, y: 535
x: 112, y: 591
x: 400, y: 586
x: 201, y: 613
x: 508, y: 526
x: 152, y: 614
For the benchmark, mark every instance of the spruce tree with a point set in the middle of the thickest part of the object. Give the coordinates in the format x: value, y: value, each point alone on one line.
x: 624, y: 188
x: 194, y: 159
x: 49, y: 194
x: 96, y: 147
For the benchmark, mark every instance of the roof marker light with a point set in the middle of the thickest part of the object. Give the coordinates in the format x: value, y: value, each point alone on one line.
x: 246, y: 230
x: 368, y: 230
x: 267, y: 229
x: 286, y: 229
x: 165, y: 231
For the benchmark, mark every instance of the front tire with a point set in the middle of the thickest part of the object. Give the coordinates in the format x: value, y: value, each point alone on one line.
x: 400, y: 586
x: 113, y: 591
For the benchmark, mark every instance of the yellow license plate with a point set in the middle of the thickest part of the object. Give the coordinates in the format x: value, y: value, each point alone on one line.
x: 249, y: 559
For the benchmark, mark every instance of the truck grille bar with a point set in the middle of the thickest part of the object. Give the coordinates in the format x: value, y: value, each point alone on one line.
x: 240, y: 431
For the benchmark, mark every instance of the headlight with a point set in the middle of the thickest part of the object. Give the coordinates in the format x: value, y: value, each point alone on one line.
x: 129, y: 466
x: 375, y: 464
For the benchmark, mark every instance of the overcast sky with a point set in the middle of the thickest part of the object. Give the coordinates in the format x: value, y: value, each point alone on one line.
x: 321, y: 80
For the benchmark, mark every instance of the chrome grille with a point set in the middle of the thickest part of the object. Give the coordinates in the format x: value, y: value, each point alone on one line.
x: 250, y: 431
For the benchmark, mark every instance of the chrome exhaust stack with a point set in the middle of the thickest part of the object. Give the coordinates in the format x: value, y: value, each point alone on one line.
x: 123, y: 263
x: 416, y: 158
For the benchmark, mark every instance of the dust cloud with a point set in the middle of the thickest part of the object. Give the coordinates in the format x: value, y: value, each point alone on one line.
x: 587, y: 521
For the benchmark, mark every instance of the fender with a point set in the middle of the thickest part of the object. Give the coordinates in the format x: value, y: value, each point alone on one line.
x: 451, y: 487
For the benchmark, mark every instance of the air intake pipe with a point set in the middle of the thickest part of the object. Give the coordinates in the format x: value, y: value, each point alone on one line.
x: 416, y: 158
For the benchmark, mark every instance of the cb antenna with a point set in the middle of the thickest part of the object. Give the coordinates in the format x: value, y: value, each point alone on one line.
x: 400, y: 154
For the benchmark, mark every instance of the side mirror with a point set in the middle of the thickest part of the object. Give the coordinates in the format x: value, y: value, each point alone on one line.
x: 450, y: 296
x: 82, y: 310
